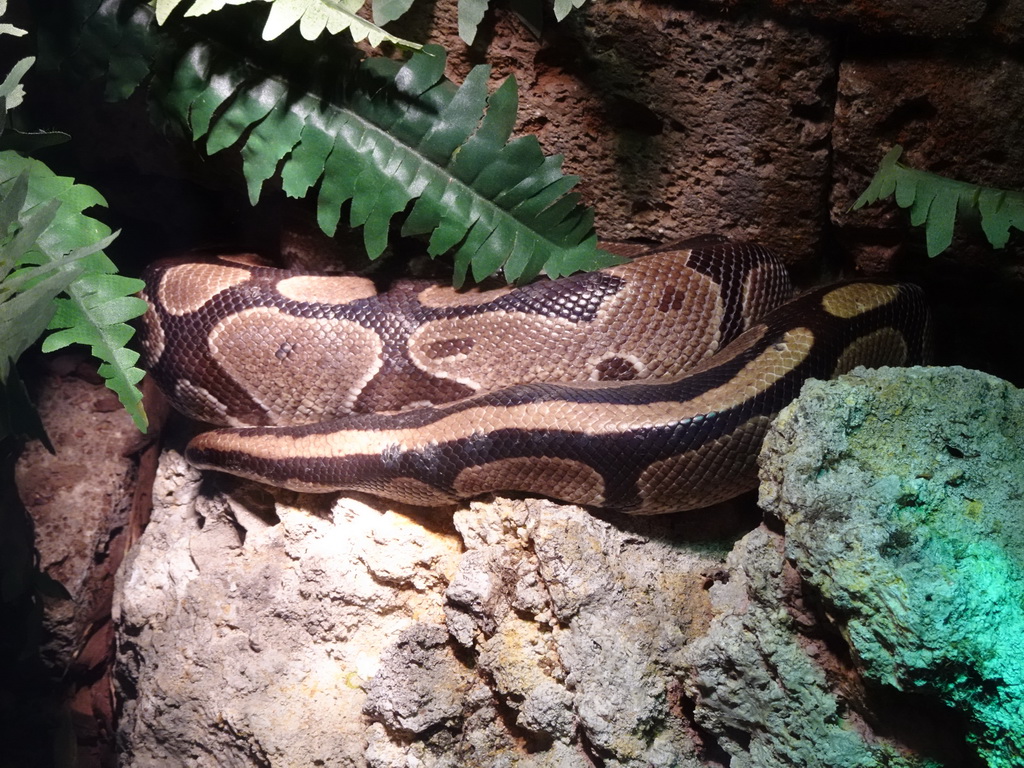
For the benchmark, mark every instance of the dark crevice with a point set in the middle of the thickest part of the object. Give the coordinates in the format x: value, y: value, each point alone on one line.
x: 712, y: 753
x: 917, y: 109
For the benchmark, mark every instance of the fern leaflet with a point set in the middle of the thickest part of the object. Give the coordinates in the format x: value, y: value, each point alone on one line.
x: 471, y: 13
x: 312, y: 16
x: 934, y: 201
x: 48, y: 246
x: 564, y: 7
x: 389, y: 10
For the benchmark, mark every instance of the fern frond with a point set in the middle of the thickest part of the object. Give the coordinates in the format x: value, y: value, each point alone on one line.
x: 11, y: 90
x: 312, y: 16
x: 393, y: 143
x: 471, y: 13
x: 9, y: 29
x: 48, y: 246
x: 27, y: 287
x: 395, y: 136
x: 564, y: 7
x: 389, y: 10
x: 934, y: 200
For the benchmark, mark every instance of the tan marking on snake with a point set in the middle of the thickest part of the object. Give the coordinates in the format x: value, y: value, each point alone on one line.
x: 851, y: 300
x: 440, y: 296
x: 326, y: 289
x: 187, y: 287
x: 666, y: 337
x: 478, y: 340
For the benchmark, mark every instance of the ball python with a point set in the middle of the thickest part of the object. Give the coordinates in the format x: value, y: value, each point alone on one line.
x: 644, y: 387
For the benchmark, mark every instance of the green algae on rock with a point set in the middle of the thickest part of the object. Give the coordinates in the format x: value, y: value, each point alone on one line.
x: 902, y: 492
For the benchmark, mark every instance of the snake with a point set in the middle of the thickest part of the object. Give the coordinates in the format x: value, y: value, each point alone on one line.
x: 644, y: 387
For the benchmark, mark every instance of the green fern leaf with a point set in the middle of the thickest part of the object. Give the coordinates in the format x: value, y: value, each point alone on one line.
x: 198, y: 8
x: 9, y: 29
x: 49, y: 247
x: 471, y: 13
x: 312, y: 16
x: 1000, y: 211
x: 393, y: 144
x: 399, y: 136
x: 564, y: 7
x: 27, y: 289
x: 96, y: 313
x: 163, y: 9
x: 115, y: 42
x: 934, y: 202
x: 11, y: 90
x: 385, y: 11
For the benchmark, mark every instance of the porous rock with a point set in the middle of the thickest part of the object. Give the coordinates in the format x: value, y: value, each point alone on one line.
x: 247, y: 628
x: 251, y: 631
x: 589, y: 622
x: 955, y: 114
x: 694, y: 122
x: 679, y: 120
x: 78, y: 497
x: 900, y: 491
x: 946, y: 18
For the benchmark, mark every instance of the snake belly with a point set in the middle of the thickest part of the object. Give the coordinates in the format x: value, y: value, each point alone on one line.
x: 632, y: 429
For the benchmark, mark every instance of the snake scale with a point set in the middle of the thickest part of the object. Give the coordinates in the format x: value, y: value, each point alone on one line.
x: 644, y: 387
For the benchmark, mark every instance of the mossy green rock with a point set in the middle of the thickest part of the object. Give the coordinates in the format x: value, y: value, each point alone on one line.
x: 902, y: 493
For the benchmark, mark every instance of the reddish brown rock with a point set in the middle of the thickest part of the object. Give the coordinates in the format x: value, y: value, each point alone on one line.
x: 678, y: 121
x: 944, y: 18
x: 954, y: 116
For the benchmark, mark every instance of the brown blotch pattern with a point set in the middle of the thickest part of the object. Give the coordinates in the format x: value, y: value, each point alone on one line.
x: 716, y: 471
x: 563, y: 479
x: 672, y: 300
x: 325, y: 362
x: 616, y: 368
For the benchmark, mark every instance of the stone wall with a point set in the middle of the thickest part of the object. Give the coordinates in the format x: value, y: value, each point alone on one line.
x: 763, y: 120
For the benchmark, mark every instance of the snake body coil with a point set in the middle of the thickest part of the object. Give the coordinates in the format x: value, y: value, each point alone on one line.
x: 645, y: 387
